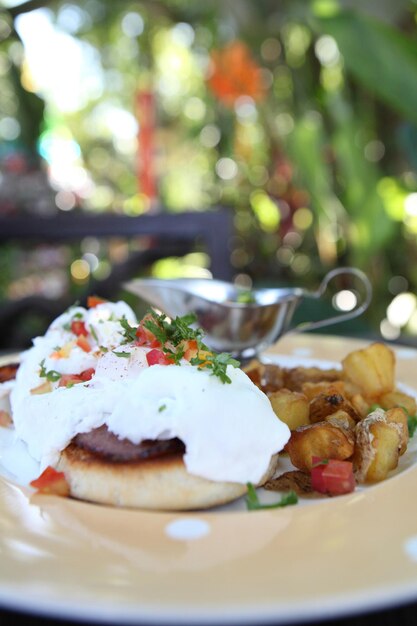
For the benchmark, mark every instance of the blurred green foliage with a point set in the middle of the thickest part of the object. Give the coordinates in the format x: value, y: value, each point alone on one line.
x: 316, y: 160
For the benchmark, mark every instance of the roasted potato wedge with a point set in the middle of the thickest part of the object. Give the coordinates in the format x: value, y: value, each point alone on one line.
x: 323, y: 439
x: 291, y: 407
x: 372, y: 369
x: 343, y: 419
x: 266, y: 376
x: 329, y: 402
x: 377, y: 448
x: 295, y: 377
x: 311, y: 390
x: 397, y: 398
x: 398, y: 415
x: 360, y: 404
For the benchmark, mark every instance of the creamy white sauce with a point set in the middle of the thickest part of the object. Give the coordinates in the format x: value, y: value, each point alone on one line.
x: 230, y: 430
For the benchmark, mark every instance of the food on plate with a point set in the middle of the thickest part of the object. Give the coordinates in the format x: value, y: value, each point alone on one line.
x: 356, y: 415
x: 141, y: 414
x: 291, y: 406
x: 331, y: 476
x: 380, y: 441
x: 321, y: 439
x: 371, y: 370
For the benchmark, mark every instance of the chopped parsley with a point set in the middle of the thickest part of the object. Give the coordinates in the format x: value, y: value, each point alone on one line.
x: 412, y: 424
x: 174, y: 337
x: 129, y: 331
x: 217, y: 363
x: 125, y: 355
x: 176, y: 331
x: 253, y: 504
x: 93, y: 333
x: 51, y: 375
x: 162, y: 408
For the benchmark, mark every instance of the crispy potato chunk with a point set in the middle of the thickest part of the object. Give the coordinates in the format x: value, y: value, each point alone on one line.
x: 360, y: 404
x: 295, y: 480
x: 399, y: 416
x: 378, y: 444
x: 295, y: 377
x: 341, y: 418
x: 266, y: 376
x: 323, y: 439
x: 371, y: 369
x: 311, y: 390
x: 397, y: 398
x: 291, y: 407
x: 329, y: 402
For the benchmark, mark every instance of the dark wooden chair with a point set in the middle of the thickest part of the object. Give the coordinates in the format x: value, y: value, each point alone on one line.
x: 170, y: 235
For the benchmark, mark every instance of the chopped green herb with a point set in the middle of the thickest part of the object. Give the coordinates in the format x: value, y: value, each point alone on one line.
x: 125, y: 355
x: 94, y: 333
x: 174, y: 332
x: 51, y: 375
x: 253, y: 504
x: 412, y: 424
x: 217, y: 363
x: 129, y: 331
x: 103, y: 349
x: 176, y: 356
x: 173, y: 335
x: 162, y: 408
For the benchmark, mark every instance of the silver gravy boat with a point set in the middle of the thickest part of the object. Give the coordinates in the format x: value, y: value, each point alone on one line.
x: 243, y: 329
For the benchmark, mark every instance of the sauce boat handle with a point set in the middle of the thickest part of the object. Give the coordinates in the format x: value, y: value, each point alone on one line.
x: 342, y: 317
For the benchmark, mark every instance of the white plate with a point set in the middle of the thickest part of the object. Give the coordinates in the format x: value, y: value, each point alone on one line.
x: 331, y: 557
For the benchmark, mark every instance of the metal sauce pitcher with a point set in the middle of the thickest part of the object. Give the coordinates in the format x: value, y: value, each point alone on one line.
x: 243, y: 329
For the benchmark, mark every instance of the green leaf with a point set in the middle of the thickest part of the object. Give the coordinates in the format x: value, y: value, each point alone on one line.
x: 129, y: 331
x: 253, y: 504
x: 381, y: 58
x: 125, y: 355
x: 412, y: 424
x: 51, y: 375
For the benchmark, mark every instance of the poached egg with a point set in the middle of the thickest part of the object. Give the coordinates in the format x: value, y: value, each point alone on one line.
x: 85, y: 373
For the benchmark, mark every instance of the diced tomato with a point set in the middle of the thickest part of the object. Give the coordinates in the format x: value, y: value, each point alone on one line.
x: 78, y: 328
x: 87, y: 374
x: 145, y: 337
x: 157, y: 357
x: 332, y: 476
x: 67, y: 380
x: 190, y: 349
x: 51, y: 482
x: 83, y: 343
x: 93, y: 301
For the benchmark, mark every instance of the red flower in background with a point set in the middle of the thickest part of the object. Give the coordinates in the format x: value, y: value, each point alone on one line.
x: 234, y: 73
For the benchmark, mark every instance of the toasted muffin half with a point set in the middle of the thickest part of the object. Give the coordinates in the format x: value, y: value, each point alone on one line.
x: 161, y: 483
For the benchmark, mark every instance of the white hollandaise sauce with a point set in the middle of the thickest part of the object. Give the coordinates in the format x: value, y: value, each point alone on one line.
x: 85, y: 372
